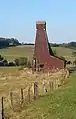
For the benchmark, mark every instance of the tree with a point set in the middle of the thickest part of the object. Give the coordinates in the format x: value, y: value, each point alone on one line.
x: 7, y: 42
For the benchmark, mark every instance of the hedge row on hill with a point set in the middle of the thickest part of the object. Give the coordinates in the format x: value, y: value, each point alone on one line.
x: 22, y: 61
x: 8, y: 42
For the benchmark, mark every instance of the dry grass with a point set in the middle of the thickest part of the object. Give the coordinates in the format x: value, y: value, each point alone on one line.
x: 13, y: 79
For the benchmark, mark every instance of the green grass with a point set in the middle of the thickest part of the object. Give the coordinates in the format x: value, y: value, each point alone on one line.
x: 15, y: 52
x: 27, y: 51
x: 60, y: 104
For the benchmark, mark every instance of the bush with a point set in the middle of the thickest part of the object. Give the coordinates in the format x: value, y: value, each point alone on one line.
x: 54, y: 51
x: 1, y: 63
x: 21, y: 61
x: 69, y: 62
x: 17, y: 62
x: 1, y: 58
x: 74, y: 62
x: 11, y: 64
x: 5, y: 62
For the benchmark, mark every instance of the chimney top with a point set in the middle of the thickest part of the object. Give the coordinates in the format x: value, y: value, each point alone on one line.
x: 40, y: 22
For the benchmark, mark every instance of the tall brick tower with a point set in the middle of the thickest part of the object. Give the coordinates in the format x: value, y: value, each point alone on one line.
x: 43, y: 55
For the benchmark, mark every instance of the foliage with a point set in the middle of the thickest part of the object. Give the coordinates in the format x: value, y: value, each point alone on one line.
x: 69, y: 62
x: 1, y: 58
x: 5, y: 62
x: 50, y: 50
x: 21, y: 61
x: 74, y: 62
x: 67, y: 45
x: 54, y: 51
x: 7, y: 42
x: 11, y: 64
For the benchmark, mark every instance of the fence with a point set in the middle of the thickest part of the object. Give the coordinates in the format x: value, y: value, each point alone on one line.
x: 17, y: 99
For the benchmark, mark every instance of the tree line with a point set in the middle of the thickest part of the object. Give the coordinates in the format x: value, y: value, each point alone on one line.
x: 67, y: 45
x: 8, y: 42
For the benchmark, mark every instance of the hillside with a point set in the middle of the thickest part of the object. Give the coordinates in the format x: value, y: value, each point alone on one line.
x: 56, y: 104
x: 27, y: 50
x: 60, y: 104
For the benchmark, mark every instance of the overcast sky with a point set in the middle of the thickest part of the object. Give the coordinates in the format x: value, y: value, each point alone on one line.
x: 18, y: 19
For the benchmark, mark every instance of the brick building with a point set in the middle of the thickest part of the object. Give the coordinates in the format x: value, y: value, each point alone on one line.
x: 43, y: 57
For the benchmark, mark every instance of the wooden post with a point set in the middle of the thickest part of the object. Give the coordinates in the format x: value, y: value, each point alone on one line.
x: 29, y: 94
x: 56, y: 84
x: 11, y: 98
x: 35, y: 90
x: 51, y: 85
x: 2, y: 109
x: 22, y: 98
x: 32, y: 67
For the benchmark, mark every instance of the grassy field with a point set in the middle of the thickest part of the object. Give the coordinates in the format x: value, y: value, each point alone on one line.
x: 59, y: 104
x: 27, y: 51
x: 15, y: 52
x: 13, y: 79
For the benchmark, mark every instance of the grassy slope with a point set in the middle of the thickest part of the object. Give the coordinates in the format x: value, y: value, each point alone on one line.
x: 60, y: 104
x: 12, y: 53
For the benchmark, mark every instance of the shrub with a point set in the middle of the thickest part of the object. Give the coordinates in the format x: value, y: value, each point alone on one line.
x: 17, y: 62
x: 69, y: 62
x: 1, y: 63
x: 21, y: 61
x: 74, y: 62
x: 5, y: 62
x: 11, y: 64
x: 1, y: 58
x: 54, y: 51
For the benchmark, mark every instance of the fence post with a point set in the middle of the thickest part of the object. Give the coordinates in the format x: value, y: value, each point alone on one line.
x: 35, y: 90
x: 2, y: 109
x: 29, y: 93
x: 11, y: 98
x: 51, y: 85
x: 22, y: 98
x: 56, y: 84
